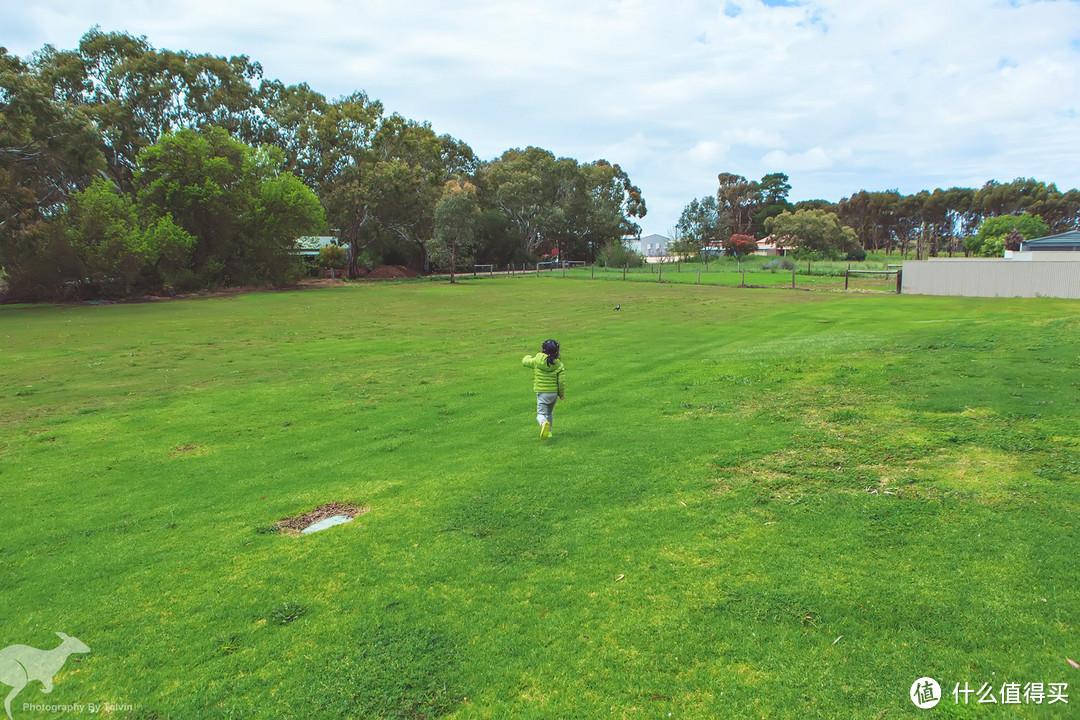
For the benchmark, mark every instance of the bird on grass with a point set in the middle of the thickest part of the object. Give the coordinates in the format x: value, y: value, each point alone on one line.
x: 618, y: 306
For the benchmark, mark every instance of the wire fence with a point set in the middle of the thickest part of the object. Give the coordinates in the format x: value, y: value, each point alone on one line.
x: 808, y: 275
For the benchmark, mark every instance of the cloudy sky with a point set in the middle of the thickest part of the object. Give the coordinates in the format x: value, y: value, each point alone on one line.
x: 841, y: 95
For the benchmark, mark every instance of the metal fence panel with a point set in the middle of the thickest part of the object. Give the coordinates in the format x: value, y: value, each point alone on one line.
x: 991, y: 277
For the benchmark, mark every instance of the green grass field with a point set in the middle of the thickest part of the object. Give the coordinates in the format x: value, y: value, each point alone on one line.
x: 756, y: 503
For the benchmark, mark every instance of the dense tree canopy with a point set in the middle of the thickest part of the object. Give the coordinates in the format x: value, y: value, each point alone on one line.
x: 218, y: 165
x: 1005, y: 232
x: 47, y: 153
x: 242, y: 208
x: 813, y: 233
x: 556, y: 203
x: 457, y: 223
x: 939, y: 222
x: 926, y: 223
x: 135, y: 94
x: 701, y: 225
x: 738, y: 199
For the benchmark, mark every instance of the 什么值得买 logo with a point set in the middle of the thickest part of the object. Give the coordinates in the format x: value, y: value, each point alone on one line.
x: 925, y: 693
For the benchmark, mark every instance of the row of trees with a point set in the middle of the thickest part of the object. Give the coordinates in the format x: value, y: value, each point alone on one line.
x: 204, y: 209
x: 924, y: 224
x: 124, y: 168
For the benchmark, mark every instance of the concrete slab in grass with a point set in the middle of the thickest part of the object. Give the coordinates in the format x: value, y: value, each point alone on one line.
x: 327, y: 523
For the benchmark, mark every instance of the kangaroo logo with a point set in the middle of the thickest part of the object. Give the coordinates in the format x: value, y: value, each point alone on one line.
x: 19, y: 664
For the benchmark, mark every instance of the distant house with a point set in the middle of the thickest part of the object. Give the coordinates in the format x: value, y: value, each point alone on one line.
x: 765, y: 246
x: 310, y: 245
x: 650, y: 246
x: 1067, y: 241
x: 768, y: 246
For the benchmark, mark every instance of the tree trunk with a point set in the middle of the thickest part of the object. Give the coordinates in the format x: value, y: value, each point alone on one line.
x: 353, y: 235
x: 354, y: 257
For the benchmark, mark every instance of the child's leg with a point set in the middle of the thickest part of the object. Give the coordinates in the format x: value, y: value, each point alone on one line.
x: 545, y: 405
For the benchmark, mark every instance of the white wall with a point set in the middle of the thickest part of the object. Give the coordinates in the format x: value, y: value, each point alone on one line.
x: 991, y: 277
x: 1041, y: 255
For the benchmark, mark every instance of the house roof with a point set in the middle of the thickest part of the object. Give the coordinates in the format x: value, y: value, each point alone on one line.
x: 654, y: 238
x: 1062, y: 241
x: 311, y: 244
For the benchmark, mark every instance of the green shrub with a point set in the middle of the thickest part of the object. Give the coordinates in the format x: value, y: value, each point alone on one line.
x: 618, y: 255
x: 312, y: 265
x: 332, y: 256
x: 781, y: 262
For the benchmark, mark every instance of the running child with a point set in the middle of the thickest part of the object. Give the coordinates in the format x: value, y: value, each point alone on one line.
x: 549, y: 383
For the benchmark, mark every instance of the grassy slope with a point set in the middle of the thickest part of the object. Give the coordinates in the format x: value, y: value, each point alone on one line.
x: 716, y: 449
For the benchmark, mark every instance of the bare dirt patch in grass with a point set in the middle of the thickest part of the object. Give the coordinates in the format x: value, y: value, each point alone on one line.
x: 293, y: 525
x: 188, y: 450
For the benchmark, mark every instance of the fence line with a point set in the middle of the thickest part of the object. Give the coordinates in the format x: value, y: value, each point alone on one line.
x: 825, y: 276
x: 849, y: 272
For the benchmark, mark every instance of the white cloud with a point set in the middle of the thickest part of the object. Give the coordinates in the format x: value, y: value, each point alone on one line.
x: 840, y: 94
x: 707, y: 152
x: 816, y: 158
